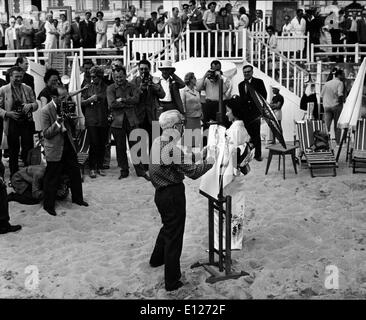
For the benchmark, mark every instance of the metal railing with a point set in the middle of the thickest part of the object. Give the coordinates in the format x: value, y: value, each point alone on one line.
x: 347, y: 52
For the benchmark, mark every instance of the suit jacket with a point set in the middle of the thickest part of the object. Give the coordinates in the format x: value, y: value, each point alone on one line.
x: 250, y: 111
x: 53, y: 135
x: 120, y: 110
x: 148, y: 101
x: 87, y: 34
x: 361, y: 30
x: 75, y: 31
x: 29, y: 176
x: 7, y: 105
x: 176, y: 83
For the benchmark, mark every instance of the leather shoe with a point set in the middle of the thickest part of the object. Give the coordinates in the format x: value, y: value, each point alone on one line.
x: 52, y: 212
x: 259, y: 158
x: 124, y: 174
x: 175, y: 287
x: 144, y: 175
x: 81, y: 203
x: 101, y: 173
x: 9, y: 228
x: 92, y: 174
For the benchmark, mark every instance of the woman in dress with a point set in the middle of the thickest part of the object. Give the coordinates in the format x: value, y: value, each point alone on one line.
x: 101, y: 30
x: 242, y: 27
x: 193, y: 110
x: 51, y: 37
x: 64, y: 29
x: 233, y: 177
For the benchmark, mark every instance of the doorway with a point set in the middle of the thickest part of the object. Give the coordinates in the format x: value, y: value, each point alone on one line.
x: 38, y: 4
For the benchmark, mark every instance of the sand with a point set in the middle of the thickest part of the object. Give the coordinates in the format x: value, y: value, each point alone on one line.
x: 294, y: 229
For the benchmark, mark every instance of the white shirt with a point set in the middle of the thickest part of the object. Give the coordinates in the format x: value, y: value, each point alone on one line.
x: 298, y: 28
x: 166, y: 87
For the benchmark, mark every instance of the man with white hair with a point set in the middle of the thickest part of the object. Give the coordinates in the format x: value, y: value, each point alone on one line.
x: 168, y: 166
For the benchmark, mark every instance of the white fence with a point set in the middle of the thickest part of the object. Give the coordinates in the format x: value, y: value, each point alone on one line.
x: 277, y: 66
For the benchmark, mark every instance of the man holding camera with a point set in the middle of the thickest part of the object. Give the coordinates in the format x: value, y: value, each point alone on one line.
x: 150, y: 93
x: 17, y: 101
x: 211, y: 84
x: 60, y: 153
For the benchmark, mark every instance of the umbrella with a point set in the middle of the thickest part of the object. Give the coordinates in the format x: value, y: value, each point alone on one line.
x: 267, y: 114
x: 75, y: 84
x: 352, y: 107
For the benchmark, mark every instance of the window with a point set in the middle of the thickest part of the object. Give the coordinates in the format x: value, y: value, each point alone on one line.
x: 80, y: 5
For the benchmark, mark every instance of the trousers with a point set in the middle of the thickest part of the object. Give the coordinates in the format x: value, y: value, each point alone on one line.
x: 171, y: 203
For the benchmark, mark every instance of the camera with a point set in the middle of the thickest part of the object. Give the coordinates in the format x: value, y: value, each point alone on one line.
x: 213, y: 75
x: 67, y: 110
x: 18, y: 107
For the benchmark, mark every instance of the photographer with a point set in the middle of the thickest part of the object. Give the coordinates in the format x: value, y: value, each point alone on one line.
x: 150, y: 93
x: 211, y: 84
x: 17, y: 102
x: 94, y: 101
x: 60, y: 152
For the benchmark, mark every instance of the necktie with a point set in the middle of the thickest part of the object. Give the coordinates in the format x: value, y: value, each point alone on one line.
x: 246, y: 82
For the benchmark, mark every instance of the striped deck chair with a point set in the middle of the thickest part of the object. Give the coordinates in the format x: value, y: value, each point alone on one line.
x: 358, y: 152
x: 315, y: 159
x: 82, y: 147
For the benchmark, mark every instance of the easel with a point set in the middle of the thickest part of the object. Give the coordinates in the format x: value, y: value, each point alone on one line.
x: 218, y: 204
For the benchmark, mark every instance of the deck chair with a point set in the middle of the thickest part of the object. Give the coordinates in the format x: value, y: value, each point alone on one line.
x: 316, y: 160
x: 82, y: 147
x: 358, y: 152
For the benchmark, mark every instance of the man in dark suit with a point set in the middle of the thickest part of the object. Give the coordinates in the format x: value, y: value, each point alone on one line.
x: 251, y: 114
x: 75, y: 32
x: 60, y: 154
x: 87, y: 32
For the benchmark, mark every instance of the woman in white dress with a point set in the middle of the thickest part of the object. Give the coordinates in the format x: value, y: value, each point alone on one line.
x: 64, y: 30
x: 101, y: 30
x: 242, y: 27
x: 233, y: 178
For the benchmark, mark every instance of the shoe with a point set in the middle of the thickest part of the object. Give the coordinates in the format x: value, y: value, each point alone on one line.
x: 101, y: 173
x: 52, y: 212
x: 105, y: 167
x: 81, y: 203
x: 156, y: 265
x: 259, y: 158
x: 92, y: 174
x: 10, y: 228
x: 178, y: 285
x: 144, y: 175
x: 124, y: 174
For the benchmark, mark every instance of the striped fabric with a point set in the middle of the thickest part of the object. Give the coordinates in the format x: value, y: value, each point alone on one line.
x: 314, y: 159
x: 306, y: 133
x: 360, y: 140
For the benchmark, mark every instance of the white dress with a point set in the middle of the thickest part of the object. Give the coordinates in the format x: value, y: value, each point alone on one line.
x: 233, y: 181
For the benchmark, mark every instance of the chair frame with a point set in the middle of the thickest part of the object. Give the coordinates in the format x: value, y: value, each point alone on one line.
x: 316, y: 160
x: 358, y: 151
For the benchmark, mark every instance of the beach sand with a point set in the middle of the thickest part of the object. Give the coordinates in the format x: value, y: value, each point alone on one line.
x: 294, y: 229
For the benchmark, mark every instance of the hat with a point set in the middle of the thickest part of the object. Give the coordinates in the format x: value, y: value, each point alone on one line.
x: 275, y: 86
x: 166, y: 65
x: 246, y: 64
x: 169, y: 118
